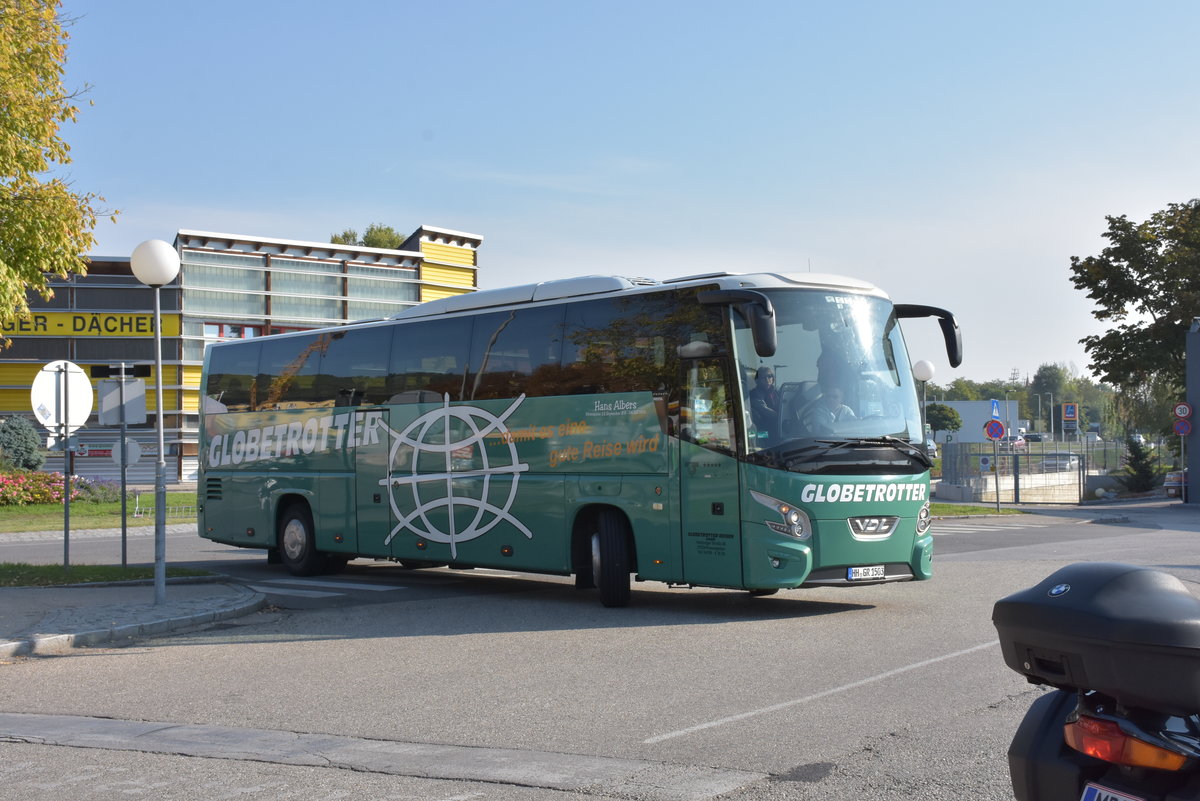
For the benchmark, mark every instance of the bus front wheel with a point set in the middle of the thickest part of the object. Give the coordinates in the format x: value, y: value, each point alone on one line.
x: 611, y: 559
x: 297, y: 542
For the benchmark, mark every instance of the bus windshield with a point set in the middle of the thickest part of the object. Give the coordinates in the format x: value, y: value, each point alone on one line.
x: 839, y: 383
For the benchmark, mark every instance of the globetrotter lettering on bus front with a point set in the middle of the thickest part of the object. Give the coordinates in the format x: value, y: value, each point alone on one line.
x: 462, y: 431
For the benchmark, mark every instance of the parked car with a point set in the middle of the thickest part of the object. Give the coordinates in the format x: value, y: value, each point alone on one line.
x: 1013, y: 442
x: 1175, y: 483
x: 1033, y: 437
x: 1058, y: 462
x: 931, y: 447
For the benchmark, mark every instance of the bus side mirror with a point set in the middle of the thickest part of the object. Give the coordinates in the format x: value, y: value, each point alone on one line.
x: 950, y: 331
x: 756, y: 308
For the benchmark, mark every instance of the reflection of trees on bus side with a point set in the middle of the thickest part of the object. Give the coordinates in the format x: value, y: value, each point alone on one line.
x: 597, y: 346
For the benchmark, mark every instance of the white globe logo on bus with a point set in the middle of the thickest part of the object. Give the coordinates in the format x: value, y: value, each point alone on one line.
x: 462, y: 430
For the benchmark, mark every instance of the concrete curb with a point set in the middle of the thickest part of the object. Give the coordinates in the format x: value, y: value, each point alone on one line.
x: 245, y: 602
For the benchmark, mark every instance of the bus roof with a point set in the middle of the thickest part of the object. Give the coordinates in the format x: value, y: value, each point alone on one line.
x: 595, y: 285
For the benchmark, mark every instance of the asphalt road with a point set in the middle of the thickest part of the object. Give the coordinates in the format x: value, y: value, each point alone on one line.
x: 475, y: 684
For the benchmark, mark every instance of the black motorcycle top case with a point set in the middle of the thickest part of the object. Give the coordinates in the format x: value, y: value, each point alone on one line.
x: 1129, y: 632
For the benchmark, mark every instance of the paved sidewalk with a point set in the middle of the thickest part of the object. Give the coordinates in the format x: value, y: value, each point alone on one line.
x: 53, y: 620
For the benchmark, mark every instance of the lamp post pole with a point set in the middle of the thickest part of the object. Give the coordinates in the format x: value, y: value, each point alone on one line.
x: 1050, y: 395
x: 155, y: 263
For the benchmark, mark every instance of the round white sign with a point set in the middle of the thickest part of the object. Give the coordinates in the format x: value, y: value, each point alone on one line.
x: 133, y: 452
x: 61, y: 393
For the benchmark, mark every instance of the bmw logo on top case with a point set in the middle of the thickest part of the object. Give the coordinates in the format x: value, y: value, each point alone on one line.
x: 1059, y: 590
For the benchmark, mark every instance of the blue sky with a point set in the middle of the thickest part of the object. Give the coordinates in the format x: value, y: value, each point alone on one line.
x: 955, y: 154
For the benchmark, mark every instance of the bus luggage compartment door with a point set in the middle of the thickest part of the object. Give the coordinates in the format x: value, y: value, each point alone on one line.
x: 373, y: 494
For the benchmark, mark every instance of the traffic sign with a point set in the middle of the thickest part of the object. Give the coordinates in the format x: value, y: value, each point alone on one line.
x: 1183, y: 409
x: 995, y: 409
x: 133, y: 452
x: 993, y: 429
x: 1183, y: 427
x: 56, y: 386
x: 985, y: 464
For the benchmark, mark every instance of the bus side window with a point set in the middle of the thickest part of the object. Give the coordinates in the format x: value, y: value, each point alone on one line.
x: 231, y: 374
x: 508, y: 348
x: 707, y: 411
x: 287, y: 376
x: 428, y: 361
x: 354, y: 367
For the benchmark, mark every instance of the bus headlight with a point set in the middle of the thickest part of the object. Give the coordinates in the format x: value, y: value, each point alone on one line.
x: 792, y: 522
x: 924, y: 518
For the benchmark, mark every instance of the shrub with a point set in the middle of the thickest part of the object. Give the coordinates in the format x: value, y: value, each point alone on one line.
x: 95, y: 490
x: 20, y: 445
x: 25, y: 488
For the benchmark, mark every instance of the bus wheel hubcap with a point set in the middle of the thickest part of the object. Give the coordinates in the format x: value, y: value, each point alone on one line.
x: 294, y: 539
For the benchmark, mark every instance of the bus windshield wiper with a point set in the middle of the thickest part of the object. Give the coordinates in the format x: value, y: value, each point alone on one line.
x: 824, y: 447
x: 902, y: 445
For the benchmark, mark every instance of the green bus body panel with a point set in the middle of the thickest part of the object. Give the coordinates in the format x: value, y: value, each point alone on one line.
x: 830, y: 502
x: 499, y: 483
x: 492, y: 483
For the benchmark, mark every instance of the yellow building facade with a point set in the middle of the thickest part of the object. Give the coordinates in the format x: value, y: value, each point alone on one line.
x: 229, y: 287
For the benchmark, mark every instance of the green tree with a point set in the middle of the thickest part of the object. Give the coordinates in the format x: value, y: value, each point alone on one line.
x: 20, y: 445
x: 376, y: 235
x: 942, y: 418
x: 1140, y: 472
x: 45, y: 228
x: 1146, y: 283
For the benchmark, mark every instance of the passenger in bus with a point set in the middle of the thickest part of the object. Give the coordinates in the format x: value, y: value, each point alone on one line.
x: 828, y: 412
x: 764, y: 401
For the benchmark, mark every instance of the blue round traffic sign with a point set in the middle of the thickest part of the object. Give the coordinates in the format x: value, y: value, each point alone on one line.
x: 1183, y: 427
x: 993, y: 429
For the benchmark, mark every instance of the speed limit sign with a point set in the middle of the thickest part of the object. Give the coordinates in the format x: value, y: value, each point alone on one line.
x: 1183, y: 410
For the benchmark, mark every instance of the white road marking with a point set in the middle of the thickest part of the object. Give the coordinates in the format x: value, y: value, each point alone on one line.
x: 296, y: 593
x: 658, y: 738
x: 338, y: 585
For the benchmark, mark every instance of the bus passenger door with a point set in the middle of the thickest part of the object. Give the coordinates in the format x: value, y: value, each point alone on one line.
x: 712, y: 545
x: 371, y: 488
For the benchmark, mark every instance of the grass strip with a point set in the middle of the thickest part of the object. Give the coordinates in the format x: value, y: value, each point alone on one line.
x: 17, y: 574
x: 959, y: 510
x: 87, y: 515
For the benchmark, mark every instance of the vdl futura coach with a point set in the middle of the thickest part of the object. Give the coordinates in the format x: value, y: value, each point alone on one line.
x: 757, y: 432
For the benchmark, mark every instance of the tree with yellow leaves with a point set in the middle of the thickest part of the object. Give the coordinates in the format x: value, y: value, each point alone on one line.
x: 45, y: 227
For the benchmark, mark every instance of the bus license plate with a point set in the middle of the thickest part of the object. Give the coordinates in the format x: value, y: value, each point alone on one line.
x: 1094, y: 792
x: 865, y: 572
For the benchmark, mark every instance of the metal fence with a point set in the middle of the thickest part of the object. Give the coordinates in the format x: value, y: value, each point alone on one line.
x: 1038, y: 472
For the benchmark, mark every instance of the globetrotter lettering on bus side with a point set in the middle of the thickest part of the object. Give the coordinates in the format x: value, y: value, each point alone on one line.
x: 347, y: 430
x: 862, y: 493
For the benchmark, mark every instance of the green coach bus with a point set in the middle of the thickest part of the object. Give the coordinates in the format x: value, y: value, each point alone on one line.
x: 757, y: 432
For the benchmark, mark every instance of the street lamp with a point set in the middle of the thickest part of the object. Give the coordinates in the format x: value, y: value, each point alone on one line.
x: 923, y: 372
x: 1050, y: 395
x: 155, y: 263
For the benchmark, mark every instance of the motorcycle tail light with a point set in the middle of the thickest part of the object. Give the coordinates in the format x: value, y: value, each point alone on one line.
x: 1104, y: 739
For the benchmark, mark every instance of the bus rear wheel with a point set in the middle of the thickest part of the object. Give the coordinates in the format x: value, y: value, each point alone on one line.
x: 611, y: 559
x: 298, y: 542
